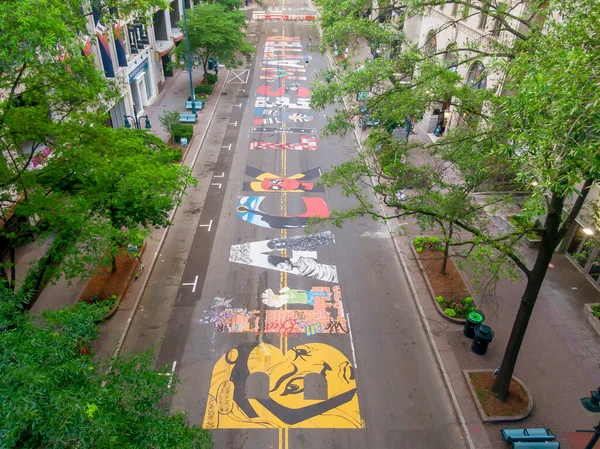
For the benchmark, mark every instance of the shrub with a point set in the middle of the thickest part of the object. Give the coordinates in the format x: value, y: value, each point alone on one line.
x: 168, y: 119
x: 596, y: 311
x: 211, y: 78
x: 427, y: 242
x: 182, y: 130
x: 450, y: 312
x: 203, y: 89
x: 440, y: 300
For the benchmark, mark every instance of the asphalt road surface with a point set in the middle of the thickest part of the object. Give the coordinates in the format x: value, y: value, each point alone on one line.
x: 287, y: 338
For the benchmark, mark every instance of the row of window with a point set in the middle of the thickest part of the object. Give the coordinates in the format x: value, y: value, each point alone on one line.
x: 465, y: 12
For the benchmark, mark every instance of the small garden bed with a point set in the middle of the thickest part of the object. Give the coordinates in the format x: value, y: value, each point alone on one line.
x: 449, y: 291
x: 108, y: 288
x: 592, y: 313
x: 517, y: 406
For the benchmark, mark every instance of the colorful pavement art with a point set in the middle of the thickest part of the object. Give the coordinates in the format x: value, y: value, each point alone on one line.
x: 290, y: 311
x: 262, y: 385
x: 268, y: 182
x: 229, y: 407
x: 249, y: 210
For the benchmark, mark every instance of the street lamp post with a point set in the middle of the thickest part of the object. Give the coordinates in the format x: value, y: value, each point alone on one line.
x: 136, y: 120
x: 592, y: 404
x: 188, y: 59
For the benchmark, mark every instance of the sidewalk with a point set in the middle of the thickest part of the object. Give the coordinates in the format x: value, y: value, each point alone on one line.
x: 560, y: 357
x: 173, y: 97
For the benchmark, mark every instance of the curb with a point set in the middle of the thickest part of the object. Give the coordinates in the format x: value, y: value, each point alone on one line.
x: 138, y: 298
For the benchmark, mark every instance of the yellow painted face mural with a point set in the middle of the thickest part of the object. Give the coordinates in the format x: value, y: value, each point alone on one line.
x: 228, y: 407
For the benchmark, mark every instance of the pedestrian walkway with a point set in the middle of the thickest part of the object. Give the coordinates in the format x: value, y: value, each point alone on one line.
x: 560, y: 356
x: 173, y: 97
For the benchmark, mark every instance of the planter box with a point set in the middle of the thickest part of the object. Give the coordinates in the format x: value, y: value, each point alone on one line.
x: 589, y: 315
x: 530, y: 243
x: 482, y: 415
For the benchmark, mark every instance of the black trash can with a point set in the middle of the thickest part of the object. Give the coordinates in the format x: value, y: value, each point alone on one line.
x: 483, y: 336
x: 474, y: 318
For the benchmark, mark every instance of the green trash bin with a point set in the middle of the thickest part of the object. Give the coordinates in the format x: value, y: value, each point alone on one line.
x: 474, y: 318
x: 211, y: 64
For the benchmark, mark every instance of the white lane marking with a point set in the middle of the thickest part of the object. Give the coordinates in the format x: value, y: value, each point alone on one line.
x: 222, y: 175
x: 226, y: 146
x: 209, y: 226
x: 233, y: 123
x: 216, y: 184
x: 351, y: 340
x: 193, y: 283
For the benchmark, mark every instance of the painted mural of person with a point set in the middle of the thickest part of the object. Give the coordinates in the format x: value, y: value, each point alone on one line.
x: 290, y: 296
x: 305, y: 266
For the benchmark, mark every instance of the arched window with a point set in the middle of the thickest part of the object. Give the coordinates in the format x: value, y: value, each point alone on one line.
x: 430, y: 46
x: 477, y: 77
x: 451, y: 58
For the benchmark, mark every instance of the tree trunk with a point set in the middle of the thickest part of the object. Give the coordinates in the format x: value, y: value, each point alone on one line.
x: 534, y: 283
x: 13, y: 270
x: 447, y: 250
x: 113, y: 264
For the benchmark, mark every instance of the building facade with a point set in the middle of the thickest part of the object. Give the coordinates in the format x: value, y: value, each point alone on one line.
x: 137, y: 55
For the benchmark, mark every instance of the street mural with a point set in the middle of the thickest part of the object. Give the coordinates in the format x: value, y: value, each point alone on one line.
x: 235, y: 399
x: 272, y: 74
x: 282, y: 102
x: 229, y: 406
x: 248, y: 210
x: 309, y: 312
x: 269, y: 129
x: 268, y: 182
x: 307, y: 143
x: 271, y: 91
x: 280, y: 115
x: 282, y: 39
x: 303, y: 260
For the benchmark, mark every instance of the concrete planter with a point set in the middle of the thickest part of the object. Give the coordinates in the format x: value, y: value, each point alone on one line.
x: 439, y: 309
x: 530, y: 243
x: 589, y: 314
x: 482, y: 414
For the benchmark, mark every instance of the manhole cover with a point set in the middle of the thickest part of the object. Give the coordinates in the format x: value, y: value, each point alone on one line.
x: 223, y: 93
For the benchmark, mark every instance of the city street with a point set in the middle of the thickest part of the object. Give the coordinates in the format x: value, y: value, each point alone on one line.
x: 283, y: 337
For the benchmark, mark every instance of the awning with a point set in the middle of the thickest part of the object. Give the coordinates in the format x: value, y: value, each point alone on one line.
x: 164, y: 47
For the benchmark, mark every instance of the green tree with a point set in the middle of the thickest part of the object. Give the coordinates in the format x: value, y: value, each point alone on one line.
x: 217, y: 31
x: 63, y: 175
x: 57, y: 395
x: 544, y: 131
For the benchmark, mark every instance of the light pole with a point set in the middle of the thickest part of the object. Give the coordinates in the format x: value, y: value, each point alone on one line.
x: 188, y: 59
x: 136, y: 120
x: 592, y: 404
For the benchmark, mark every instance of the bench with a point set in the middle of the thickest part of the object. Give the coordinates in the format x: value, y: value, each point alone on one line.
x: 199, y: 104
x: 188, y: 118
x: 527, y: 435
x: 536, y: 445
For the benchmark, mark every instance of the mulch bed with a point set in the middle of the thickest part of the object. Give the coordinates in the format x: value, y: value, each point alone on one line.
x: 516, y: 403
x: 450, y: 286
x: 104, y: 283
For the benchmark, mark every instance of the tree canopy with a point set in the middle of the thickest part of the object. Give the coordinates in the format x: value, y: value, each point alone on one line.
x: 540, y: 129
x: 63, y: 174
x: 55, y: 394
x: 217, y: 30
